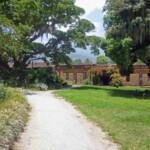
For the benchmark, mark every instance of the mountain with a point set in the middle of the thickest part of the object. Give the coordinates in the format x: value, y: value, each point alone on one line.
x: 83, y: 54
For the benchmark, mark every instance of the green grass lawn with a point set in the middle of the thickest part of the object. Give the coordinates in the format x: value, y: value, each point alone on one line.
x: 126, y: 118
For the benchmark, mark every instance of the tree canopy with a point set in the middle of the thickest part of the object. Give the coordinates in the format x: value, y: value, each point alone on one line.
x: 24, y: 21
x: 101, y: 60
x: 77, y: 62
x: 127, y: 25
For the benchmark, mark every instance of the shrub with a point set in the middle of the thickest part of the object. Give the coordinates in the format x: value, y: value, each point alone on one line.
x: 42, y: 77
x: 64, y: 84
x: 143, y: 94
x: 116, y: 80
x: 95, y: 80
x: 86, y: 82
x: 13, y: 116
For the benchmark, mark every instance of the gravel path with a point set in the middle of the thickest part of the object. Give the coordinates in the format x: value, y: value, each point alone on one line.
x: 56, y: 125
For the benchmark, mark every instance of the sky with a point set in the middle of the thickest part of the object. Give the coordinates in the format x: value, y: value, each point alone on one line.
x: 93, y: 12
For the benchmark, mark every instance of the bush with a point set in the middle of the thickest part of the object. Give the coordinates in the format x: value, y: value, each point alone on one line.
x: 86, y: 82
x: 116, y: 80
x: 95, y: 79
x: 143, y: 94
x: 43, y: 78
x: 64, y: 84
x: 13, y: 116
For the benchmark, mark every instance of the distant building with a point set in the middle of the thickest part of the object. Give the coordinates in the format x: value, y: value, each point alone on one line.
x: 79, y: 73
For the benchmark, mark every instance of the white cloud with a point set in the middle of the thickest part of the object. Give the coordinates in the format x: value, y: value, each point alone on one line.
x: 94, y: 14
x: 89, y: 6
x: 99, y: 30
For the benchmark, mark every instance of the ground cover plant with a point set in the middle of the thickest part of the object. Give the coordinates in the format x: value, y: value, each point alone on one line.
x: 13, y: 116
x: 124, y: 116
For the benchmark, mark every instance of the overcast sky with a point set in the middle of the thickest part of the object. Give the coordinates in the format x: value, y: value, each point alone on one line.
x: 93, y: 13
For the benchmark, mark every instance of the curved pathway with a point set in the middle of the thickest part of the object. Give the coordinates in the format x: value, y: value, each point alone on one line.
x: 56, y: 125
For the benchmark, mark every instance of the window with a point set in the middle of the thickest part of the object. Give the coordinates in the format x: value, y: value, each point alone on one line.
x: 67, y: 76
x: 84, y: 76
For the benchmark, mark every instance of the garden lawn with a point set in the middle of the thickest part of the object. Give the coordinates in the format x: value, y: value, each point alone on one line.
x: 13, y: 116
x: 124, y: 117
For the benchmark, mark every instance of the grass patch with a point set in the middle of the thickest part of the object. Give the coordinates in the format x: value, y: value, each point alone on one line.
x: 125, y: 117
x: 13, y: 116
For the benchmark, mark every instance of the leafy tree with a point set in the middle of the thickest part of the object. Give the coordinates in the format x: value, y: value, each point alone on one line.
x: 77, y: 62
x: 101, y: 60
x: 22, y: 22
x: 127, y: 26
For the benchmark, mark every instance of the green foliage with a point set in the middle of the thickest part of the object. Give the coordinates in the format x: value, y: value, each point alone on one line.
x: 112, y: 70
x: 24, y: 21
x: 141, y: 93
x: 119, y: 50
x: 116, y: 80
x: 77, y: 62
x: 2, y: 93
x: 93, y: 76
x: 13, y: 117
x: 101, y: 60
x: 40, y: 78
x: 96, y: 79
x: 86, y: 82
x: 127, y: 32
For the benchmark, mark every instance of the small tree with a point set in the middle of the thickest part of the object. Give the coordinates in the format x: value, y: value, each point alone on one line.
x: 77, y: 62
x: 93, y: 76
x: 101, y: 60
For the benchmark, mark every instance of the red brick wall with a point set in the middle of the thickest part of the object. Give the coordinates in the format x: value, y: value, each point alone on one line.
x: 80, y: 69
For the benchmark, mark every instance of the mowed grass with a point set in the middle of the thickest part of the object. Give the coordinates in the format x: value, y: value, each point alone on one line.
x: 124, y: 117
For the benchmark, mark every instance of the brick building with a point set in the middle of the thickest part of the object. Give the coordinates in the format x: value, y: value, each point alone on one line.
x: 78, y: 73
x: 140, y: 76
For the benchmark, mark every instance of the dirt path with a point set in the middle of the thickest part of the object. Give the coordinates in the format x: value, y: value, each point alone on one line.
x: 56, y: 125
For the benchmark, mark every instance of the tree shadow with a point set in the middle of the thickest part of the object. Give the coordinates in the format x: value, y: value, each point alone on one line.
x: 114, y: 92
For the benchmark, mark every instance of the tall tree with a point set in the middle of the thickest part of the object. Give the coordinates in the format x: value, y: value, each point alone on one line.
x: 127, y: 25
x: 23, y: 21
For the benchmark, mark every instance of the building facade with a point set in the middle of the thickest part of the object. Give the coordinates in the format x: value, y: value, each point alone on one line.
x: 79, y: 73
